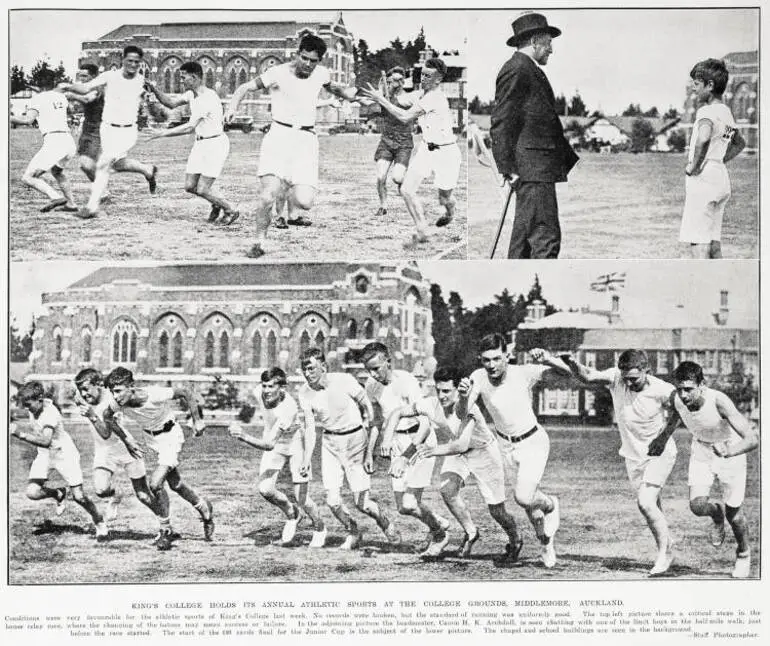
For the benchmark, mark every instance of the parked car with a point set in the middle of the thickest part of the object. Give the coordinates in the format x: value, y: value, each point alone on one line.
x: 353, y: 127
x: 242, y: 122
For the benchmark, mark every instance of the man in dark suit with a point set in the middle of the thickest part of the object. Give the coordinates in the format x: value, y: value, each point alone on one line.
x: 528, y: 140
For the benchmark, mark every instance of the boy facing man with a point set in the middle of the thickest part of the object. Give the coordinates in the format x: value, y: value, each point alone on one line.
x: 714, y: 141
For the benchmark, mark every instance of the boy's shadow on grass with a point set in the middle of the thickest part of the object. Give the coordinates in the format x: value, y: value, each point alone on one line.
x: 625, y: 564
x: 49, y: 527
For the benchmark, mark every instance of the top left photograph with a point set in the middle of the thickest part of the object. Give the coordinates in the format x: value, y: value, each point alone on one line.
x: 236, y: 135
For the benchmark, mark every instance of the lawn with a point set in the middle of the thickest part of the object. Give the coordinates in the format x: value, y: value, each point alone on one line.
x: 602, y: 534
x: 621, y: 206
x: 171, y: 225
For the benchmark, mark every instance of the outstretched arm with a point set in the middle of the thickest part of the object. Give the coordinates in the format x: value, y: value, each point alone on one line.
x: 169, y: 101
x: 342, y: 91
x: 40, y: 438
x: 240, y: 92
x: 26, y: 119
x: 749, y: 436
x: 84, y: 88
x: 545, y: 358
x: 113, y: 426
x: 187, y: 400
x: 404, y: 115
x: 585, y: 374
x: 658, y: 443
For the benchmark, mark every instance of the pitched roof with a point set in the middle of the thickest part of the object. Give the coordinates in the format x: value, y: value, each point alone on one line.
x: 216, y: 30
x: 204, y: 275
x: 659, y: 124
x: 581, y: 121
x: 741, y: 58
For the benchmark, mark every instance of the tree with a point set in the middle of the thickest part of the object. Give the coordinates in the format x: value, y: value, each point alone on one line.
x: 561, y: 105
x: 20, y: 346
x: 441, y: 327
x: 577, y: 108
x: 396, y: 45
x: 677, y: 140
x: 633, y: 110
x: 652, y: 112
x: 18, y: 79
x: 60, y: 75
x: 477, y: 106
x: 642, y: 135
x: 671, y: 113
x: 413, y: 49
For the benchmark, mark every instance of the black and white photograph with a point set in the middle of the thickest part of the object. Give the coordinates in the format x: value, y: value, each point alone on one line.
x: 596, y: 134
x: 234, y: 135
x: 272, y: 374
x: 434, y: 425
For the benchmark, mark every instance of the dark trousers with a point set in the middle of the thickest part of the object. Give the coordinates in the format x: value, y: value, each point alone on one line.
x: 536, y: 231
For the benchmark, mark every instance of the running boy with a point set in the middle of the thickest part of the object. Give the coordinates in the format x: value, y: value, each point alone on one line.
x: 212, y: 145
x: 49, y: 109
x: 55, y: 452
x: 284, y: 439
x: 150, y: 409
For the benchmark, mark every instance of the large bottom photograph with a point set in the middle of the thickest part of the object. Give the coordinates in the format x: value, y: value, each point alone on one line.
x: 340, y: 422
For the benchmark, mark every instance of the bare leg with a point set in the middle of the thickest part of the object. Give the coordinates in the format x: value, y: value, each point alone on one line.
x: 451, y: 483
x: 64, y: 184
x: 34, y: 180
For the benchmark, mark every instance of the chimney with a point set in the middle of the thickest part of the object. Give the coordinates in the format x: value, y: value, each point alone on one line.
x: 535, y: 311
x: 721, y: 316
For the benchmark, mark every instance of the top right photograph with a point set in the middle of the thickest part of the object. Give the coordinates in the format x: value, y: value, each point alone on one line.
x: 614, y: 133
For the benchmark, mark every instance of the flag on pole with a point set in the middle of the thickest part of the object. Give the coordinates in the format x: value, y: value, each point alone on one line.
x: 609, y: 282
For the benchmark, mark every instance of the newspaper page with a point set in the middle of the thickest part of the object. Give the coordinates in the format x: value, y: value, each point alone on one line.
x: 285, y: 358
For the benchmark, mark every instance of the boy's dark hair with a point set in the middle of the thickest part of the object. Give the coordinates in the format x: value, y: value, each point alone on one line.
x: 312, y: 43
x: 446, y: 373
x: 92, y: 69
x: 312, y: 353
x: 191, y: 67
x: 438, y: 65
x: 372, y: 349
x: 632, y: 359
x: 46, y: 79
x: 29, y: 391
x: 133, y: 49
x: 89, y: 376
x: 494, y: 341
x: 688, y: 371
x: 119, y: 377
x: 712, y: 69
x: 274, y: 373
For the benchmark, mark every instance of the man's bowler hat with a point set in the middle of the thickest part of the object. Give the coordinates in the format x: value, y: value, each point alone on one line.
x: 529, y: 24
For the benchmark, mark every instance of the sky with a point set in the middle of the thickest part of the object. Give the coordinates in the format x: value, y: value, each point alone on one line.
x: 616, y: 57
x: 696, y: 285
x: 62, y: 32
x: 651, y: 286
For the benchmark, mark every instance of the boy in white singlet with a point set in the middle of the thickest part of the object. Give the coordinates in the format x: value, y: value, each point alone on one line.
x: 284, y: 439
x: 640, y: 400
x: 55, y: 452
x: 721, y: 437
x: 49, y: 109
x: 714, y: 141
x: 123, y: 94
x: 438, y: 152
x: 209, y: 152
x: 150, y: 409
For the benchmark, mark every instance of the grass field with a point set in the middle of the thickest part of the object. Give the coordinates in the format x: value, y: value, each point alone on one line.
x: 621, y: 206
x: 171, y: 225
x: 602, y: 534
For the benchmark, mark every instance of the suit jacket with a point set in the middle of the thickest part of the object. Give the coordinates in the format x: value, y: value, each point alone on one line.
x: 527, y: 136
